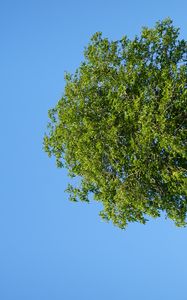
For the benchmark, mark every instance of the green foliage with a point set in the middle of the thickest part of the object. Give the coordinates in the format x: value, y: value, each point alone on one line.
x: 121, y: 126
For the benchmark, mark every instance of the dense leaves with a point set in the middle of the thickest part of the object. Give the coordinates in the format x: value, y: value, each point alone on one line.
x: 121, y: 126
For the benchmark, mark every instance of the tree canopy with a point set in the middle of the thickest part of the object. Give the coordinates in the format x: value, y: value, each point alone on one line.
x: 120, y: 127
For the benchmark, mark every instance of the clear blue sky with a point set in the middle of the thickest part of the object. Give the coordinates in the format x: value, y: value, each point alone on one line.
x: 52, y: 249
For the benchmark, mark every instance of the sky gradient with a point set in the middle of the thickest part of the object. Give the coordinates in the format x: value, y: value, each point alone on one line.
x: 50, y: 248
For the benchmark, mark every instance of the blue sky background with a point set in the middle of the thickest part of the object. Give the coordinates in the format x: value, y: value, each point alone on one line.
x: 52, y: 249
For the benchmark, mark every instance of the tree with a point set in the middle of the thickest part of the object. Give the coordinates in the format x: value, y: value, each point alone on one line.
x: 120, y: 127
